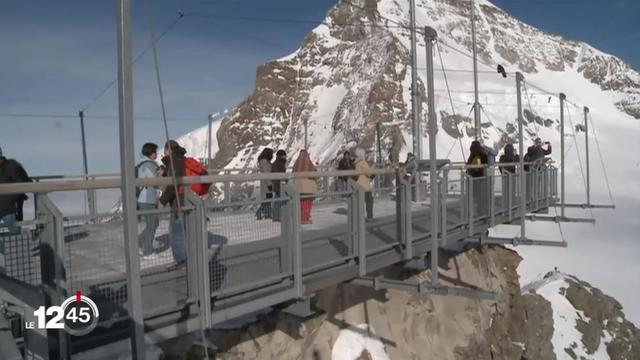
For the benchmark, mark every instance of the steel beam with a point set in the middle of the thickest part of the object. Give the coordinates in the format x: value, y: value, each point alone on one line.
x: 587, y: 206
x: 515, y: 241
x: 586, y: 142
x: 430, y: 37
x: 127, y: 164
x: 523, y: 180
x: 557, y: 219
x: 380, y: 283
x: 563, y: 97
x: 476, y: 103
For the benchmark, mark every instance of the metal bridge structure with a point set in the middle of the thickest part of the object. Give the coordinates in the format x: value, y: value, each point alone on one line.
x: 236, y: 264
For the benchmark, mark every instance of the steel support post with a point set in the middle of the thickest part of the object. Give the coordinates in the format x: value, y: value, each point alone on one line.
x: 415, y: 94
x: 586, y: 143
x: 430, y: 37
x: 563, y: 97
x: 198, y: 253
x: 292, y: 215
x: 512, y: 189
x: 358, y: 196
x: 523, y: 180
x: 470, y: 208
x: 445, y: 192
x: 52, y: 267
x: 209, y: 137
x: 404, y: 216
x: 127, y: 165
x: 91, y: 194
x: 476, y: 103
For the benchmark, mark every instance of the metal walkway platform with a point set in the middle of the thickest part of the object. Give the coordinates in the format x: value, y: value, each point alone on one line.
x: 237, y: 264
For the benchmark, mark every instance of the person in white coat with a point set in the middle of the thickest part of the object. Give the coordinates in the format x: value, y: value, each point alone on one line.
x: 148, y: 197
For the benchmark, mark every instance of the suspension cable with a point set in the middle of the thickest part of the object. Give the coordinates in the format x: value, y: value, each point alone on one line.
x: 526, y: 93
x: 148, y: 10
x: 137, y: 58
x: 604, y: 169
x: 453, y: 109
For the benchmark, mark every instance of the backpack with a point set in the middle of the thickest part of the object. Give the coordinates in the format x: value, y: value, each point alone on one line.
x: 137, y: 170
x: 193, y: 167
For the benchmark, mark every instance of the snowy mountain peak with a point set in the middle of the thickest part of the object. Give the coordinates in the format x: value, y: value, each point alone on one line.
x: 352, y: 73
x: 587, y: 324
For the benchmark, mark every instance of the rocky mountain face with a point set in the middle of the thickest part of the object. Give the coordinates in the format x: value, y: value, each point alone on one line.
x: 558, y: 317
x: 353, y: 72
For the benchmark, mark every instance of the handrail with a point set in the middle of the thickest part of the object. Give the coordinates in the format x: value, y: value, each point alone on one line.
x: 114, y: 183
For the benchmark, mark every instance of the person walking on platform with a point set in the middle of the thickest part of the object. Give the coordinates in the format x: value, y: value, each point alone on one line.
x: 491, y: 154
x: 11, y: 171
x: 278, y: 166
x: 477, y: 158
x: 148, y: 197
x: 266, y: 186
x: 410, y: 167
x: 508, y: 180
x: 346, y: 163
x: 173, y: 163
x: 364, y: 181
x: 306, y: 187
x: 508, y: 157
x: 536, y: 153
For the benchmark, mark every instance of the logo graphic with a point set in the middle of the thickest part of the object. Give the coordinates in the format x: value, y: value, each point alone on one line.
x: 78, y: 315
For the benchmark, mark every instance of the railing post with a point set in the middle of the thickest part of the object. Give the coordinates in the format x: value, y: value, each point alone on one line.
x: 511, y: 189
x: 444, y: 192
x: 563, y: 97
x: 403, y: 209
x: 198, y: 256
x: 492, y: 202
x: 358, y: 225
x: 470, y: 205
x: 53, y: 273
x: 291, y: 216
x: 523, y: 190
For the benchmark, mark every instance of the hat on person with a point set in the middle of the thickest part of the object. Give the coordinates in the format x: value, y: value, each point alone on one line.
x: 360, y: 153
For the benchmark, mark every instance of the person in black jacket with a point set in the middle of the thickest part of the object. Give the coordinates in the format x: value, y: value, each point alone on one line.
x: 478, y: 156
x: 10, y: 172
x: 173, y: 166
x: 508, y: 182
x: 346, y: 163
x: 537, y: 152
x: 278, y: 166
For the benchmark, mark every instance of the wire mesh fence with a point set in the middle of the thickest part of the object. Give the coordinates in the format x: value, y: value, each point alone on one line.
x: 245, y: 241
x: 20, y: 254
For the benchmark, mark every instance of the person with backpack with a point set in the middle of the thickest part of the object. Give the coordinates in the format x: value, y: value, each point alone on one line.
x: 11, y: 171
x: 266, y: 189
x: 148, y: 197
x: 306, y: 187
x: 278, y: 166
x: 364, y: 181
x: 478, y: 157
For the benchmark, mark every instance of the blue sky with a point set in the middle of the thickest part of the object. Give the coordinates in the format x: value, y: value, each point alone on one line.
x: 58, y: 55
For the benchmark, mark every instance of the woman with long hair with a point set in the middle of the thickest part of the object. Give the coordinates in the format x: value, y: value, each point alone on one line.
x: 306, y: 187
x: 266, y: 186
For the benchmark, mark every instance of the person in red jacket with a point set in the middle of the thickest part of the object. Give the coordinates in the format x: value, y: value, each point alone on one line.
x: 173, y: 164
